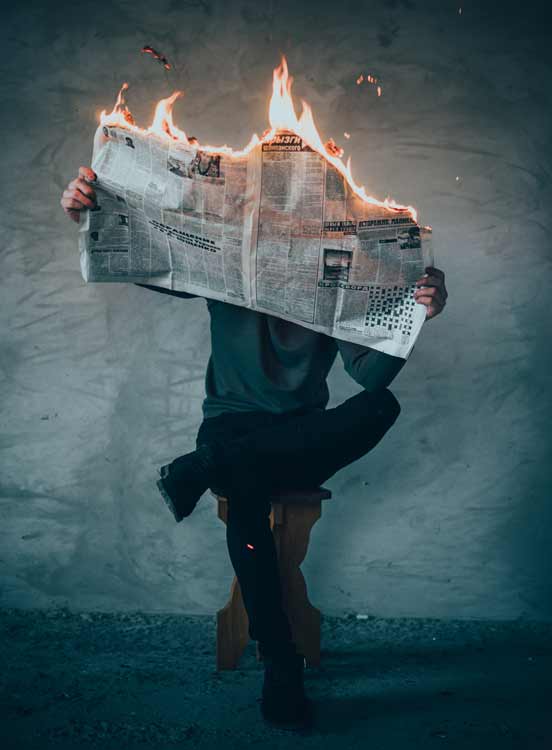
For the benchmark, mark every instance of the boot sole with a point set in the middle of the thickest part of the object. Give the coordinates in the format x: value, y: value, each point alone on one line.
x: 163, y: 471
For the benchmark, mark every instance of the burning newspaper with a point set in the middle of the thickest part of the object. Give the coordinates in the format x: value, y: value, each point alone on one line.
x: 279, y: 227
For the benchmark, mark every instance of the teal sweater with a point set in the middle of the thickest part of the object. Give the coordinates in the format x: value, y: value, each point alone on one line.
x: 262, y: 363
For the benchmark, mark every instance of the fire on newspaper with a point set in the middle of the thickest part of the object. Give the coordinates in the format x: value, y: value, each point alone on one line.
x: 279, y: 226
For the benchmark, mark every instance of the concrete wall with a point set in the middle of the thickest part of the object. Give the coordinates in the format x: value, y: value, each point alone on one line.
x: 451, y: 514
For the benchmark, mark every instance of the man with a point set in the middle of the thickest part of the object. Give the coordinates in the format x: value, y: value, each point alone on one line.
x: 266, y: 427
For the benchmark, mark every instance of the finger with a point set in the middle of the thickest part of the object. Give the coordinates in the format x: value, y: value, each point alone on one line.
x: 80, y: 184
x: 79, y: 196
x: 71, y: 203
x: 429, y: 281
x: 433, y: 306
x: 432, y: 311
x: 74, y: 215
x: 76, y: 197
x: 438, y: 281
x: 433, y: 293
x: 435, y: 271
x: 87, y: 174
x: 88, y: 202
x: 431, y: 289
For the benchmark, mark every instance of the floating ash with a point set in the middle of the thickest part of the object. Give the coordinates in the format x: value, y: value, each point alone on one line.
x: 282, y: 117
x: 157, y: 56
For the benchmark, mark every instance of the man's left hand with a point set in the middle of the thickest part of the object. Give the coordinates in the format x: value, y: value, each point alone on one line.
x: 434, y: 292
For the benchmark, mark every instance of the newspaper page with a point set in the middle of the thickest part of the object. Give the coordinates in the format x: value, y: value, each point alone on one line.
x: 278, y: 230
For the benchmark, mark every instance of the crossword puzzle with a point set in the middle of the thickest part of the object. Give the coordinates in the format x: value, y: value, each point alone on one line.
x: 391, y: 308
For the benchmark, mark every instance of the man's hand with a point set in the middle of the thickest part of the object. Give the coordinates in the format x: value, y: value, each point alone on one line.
x: 435, y: 294
x: 79, y: 195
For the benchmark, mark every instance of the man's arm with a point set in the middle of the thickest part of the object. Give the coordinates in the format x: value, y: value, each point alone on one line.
x: 374, y: 369
x: 370, y: 368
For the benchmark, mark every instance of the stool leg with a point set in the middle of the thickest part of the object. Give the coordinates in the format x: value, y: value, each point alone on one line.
x: 232, y: 630
x: 292, y: 540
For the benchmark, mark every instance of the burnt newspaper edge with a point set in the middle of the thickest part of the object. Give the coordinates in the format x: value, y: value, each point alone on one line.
x: 278, y: 231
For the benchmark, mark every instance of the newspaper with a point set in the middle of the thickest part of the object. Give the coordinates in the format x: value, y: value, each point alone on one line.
x: 278, y: 230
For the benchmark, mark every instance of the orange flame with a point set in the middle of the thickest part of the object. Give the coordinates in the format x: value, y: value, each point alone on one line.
x: 163, y: 121
x: 281, y: 115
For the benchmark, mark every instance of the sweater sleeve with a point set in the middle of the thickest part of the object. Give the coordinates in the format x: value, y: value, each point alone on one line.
x: 370, y: 368
x: 184, y: 295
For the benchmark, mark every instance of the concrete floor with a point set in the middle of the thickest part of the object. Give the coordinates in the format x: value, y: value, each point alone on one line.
x: 131, y: 680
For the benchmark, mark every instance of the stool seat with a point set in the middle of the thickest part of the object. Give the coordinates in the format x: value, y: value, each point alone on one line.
x: 293, y: 514
x: 301, y: 497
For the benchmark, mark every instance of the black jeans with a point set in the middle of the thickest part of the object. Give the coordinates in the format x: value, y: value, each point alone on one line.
x: 265, y: 452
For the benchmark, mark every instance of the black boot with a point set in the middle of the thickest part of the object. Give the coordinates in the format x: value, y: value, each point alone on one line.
x: 184, y: 481
x: 283, y: 701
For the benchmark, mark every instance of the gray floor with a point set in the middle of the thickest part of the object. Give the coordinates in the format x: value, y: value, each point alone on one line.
x: 122, y: 681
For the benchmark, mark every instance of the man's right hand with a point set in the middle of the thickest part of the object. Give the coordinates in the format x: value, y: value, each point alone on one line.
x: 79, y: 195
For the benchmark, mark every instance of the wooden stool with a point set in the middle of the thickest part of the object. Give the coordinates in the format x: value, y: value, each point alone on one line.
x: 292, y: 516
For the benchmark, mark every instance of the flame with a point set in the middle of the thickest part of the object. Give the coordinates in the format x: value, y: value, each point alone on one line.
x: 163, y: 121
x: 281, y: 116
x: 120, y: 114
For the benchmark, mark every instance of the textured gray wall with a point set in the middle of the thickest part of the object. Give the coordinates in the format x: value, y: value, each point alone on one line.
x: 450, y: 515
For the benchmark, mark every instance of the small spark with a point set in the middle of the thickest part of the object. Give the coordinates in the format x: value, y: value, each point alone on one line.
x: 347, y: 135
x: 249, y: 546
x: 459, y: 11
x: 457, y: 178
x: 359, y: 79
x: 379, y: 90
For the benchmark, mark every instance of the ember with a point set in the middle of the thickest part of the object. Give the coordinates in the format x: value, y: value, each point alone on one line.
x: 333, y: 149
x: 281, y: 115
x: 157, y: 56
x: 369, y: 79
